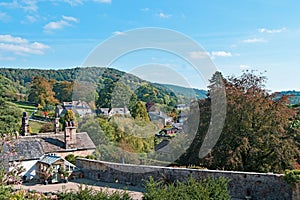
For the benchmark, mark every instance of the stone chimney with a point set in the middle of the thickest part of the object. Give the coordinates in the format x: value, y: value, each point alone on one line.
x: 70, y: 135
x: 25, y: 124
x: 56, y: 124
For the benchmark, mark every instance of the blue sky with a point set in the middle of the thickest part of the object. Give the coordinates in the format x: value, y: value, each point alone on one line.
x: 237, y: 35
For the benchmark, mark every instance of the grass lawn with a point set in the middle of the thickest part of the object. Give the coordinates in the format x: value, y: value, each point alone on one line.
x: 26, y: 107
x: 35, y: 126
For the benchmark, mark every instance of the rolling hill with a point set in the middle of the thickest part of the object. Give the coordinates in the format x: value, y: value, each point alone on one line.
x: 96, y: 75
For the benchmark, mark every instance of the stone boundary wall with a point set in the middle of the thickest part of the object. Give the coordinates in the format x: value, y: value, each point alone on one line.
x: 257, y: 185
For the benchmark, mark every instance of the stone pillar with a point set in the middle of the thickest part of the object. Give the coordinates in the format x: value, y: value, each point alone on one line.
x: 25, y: 124
x: 56, y: 124
x: 70, y: 135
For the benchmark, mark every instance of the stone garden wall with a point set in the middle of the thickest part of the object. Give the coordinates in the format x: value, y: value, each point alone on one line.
x: 242, y: 184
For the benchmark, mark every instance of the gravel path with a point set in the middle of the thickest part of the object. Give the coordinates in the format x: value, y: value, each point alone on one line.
x: 134, y: 192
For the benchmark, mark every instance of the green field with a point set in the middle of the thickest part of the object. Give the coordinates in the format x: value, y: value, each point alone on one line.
x: 35, y: 126
x: 26, y: 107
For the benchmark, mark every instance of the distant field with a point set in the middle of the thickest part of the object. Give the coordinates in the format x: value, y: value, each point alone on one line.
x: 26, y: 107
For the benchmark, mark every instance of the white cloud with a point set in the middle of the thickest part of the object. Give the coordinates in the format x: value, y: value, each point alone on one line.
x: 212, y: 55
x: 220, y: 54
x: 254, y: 40
x: 198, y: 54
x: 145, y: 9
x: 163, y: 15
x: 68, y: 18
x: 243, y: 67
x: 119, y: 33
x: 74, y: 2
x: 4, y: 17
x: 20, y: 46
x: 55, y: 25
x: 26, y: 5
x: 30, y: 19
x: 11, y: 39
x: 264, y: 30
x: 12, y: 4
x: 37, y: 45
x: 30, y: 5
x: 103, y: 1
x: 65, y: 21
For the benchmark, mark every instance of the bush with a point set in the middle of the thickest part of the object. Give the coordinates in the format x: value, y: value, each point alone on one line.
x: 46, y: 128
x: 71, y: 158
x: 210, y: 188
x: 4, y: 191
x: 87, y: 193
x: 292, y: 176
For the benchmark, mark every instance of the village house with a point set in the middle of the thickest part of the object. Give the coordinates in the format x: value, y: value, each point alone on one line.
x: 28, y: 149
x: 168, y: 132
x: 109, y: 112
x: 182, y: 107
x: 81, y: 108
x: 160, y: 117
x: 52, y: 168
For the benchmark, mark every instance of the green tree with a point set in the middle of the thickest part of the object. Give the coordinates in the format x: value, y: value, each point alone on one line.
x: 69, y: 116
x: 94, y: 130
x: 7, y: 89
x: 84, y: 91
x: 132, y: 102
x: 71, y: 158
x: 10, y: 118
x: 140, y: 112
x: 108, y: 129
x: 104, y: 94
x: 63, y: 90
x: 121, y: 95
x: 256, y: 134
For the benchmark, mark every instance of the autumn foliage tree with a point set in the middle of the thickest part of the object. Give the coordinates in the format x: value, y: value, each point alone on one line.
x: 41, y: 92
x: 256, y: 135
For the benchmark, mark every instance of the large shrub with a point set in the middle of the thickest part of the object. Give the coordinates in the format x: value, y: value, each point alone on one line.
x: 87, y: 193
x: 209, y: 188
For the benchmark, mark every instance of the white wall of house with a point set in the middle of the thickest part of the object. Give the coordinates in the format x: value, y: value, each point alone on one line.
x: 30, y: 169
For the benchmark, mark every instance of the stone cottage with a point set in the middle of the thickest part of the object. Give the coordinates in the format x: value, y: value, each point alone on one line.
x: 28, y: 149
x: 52, y: 168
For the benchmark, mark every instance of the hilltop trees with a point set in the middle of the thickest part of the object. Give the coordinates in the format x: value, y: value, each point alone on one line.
x: 149, y: 93
x: 256, y: 134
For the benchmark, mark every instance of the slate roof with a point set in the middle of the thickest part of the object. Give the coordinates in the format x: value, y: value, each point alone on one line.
x: 33, y: 147
x: 24, y: 150
x: 49, y: 159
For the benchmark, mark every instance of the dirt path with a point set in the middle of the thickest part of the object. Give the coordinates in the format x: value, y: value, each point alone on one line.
x: 134, y: 192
